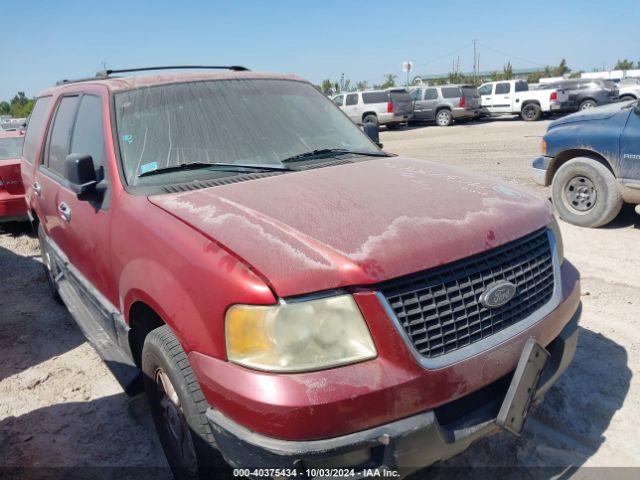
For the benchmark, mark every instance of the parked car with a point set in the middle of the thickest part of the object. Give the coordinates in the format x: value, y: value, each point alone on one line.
x: 514, y: 97
x: 444, y: 104
x: 629, y: 89
x: 586, y: 93
x: 391, y: 107
x: 281, y: 285
x: 12, y: 203
x: 591, y: 159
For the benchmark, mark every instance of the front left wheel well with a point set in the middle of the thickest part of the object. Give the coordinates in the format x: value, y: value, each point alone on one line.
x: 142, y: 320
x: 567, y: 155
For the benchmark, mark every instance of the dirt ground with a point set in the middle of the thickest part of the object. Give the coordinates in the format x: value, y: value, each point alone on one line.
x: 60, y: 407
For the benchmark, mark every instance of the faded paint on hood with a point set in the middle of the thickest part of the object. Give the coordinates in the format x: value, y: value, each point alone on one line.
x: 360, y: 223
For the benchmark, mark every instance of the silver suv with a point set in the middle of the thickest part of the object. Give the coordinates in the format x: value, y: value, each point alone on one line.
x: 391, y: 107
x: 444, y: 104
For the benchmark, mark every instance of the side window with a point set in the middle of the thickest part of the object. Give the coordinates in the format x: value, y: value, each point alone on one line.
x: 352, y: 99
x: 339, y: 100
x: 34, y: 128
x: 451, y: 92
x: 416, y: 94
x: 503, y: 88
x: 521, y: 87
x: 58, y: 144
x: 88, y: 135
x: 430, y: 94
x: 485, y: 89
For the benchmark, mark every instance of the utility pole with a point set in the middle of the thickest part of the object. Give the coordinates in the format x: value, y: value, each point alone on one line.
x: 475, y: 63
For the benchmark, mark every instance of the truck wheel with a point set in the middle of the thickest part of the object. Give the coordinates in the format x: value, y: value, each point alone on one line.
x: 50, y: 268
x: 531, y: 112
x: 587, y: 104
x: 444, y: 118
x: 627, y: 98
x: 371, y: 118
x: 178, y: 409
x: 586, y: 193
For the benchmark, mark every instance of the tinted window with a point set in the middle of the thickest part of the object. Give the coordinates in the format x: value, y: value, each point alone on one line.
x: 10, y: 147
x: 34, y: 128
x: 521, y: 87
x: 485, y: 89
x: 503, y: 88
x: 339, y: 100
x: 450, y: 92
x: 88, y: 136
x: 352, y: 99
x: 375, y: 97
x: 58, y: 146
x: 430, y: 94
x: 416, y: 94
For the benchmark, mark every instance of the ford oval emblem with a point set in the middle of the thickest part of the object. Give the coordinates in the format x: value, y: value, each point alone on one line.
x: 497, y: 294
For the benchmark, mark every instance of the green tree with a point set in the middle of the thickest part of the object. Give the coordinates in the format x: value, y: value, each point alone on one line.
x: 624, y: 65
x: 361, y: 85
x: 507, y: 72
x: 5, y: 108
x: 326, y: 86
x: 561, y: 69
x: 389, y: 81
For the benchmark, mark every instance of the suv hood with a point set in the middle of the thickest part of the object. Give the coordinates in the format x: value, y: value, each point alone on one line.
x: 599, y: 113
x: 357, y: 224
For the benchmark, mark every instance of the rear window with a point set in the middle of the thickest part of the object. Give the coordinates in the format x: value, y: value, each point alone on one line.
x: 469, y: 92
x: 10, y: 147
x: 375, y: 97
x: 450, y: 92
x: 34, y: 128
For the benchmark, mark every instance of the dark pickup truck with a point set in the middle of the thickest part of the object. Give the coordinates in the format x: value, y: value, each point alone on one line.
x: 591, y: 159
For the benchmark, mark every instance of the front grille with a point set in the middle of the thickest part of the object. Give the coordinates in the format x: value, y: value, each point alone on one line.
x: 440, y: 309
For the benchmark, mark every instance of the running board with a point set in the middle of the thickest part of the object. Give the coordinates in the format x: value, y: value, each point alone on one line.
x: 122, y: 367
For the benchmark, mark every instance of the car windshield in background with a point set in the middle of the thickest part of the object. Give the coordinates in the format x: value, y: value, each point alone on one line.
x: 11, y: 147
x: 250, y: 122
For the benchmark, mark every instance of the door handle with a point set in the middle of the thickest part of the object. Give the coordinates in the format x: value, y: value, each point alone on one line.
x: 64, y: 211
x: 37, y: 189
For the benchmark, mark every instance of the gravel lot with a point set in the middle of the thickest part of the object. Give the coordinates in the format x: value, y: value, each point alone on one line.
x: 60, y: 407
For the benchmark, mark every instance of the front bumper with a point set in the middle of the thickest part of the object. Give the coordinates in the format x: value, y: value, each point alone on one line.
x: 405, y: 445
x: 541, y: 171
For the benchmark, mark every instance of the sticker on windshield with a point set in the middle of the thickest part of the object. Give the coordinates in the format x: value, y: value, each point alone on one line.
x: 128, y: 138
x: 147, y: 167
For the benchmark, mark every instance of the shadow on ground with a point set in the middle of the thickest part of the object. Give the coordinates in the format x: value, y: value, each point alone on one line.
x: 564, y: 431
x: 33, y: 326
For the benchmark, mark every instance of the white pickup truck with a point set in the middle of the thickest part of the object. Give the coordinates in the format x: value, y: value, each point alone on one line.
x: 514, y: 96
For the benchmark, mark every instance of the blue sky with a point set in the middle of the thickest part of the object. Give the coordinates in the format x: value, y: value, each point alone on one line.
x: 320, y: 39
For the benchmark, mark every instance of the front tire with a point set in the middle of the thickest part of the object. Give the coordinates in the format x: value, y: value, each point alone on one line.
x: 444, y: 118
x: 178, y: 409
x: 585, y: 193
x: 531, y: 112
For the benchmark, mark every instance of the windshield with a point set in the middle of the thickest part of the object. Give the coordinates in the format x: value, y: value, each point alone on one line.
x: 10, y: 147
x: 259, y: 122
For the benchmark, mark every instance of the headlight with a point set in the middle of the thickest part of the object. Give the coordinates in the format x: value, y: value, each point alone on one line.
x: 301, y: 336
x: 557, y: 235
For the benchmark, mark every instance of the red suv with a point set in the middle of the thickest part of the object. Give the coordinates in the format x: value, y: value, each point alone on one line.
x: 12, y: 204
x: 291, y: 295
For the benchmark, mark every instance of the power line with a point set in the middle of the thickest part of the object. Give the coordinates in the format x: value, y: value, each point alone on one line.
x: 443, y: 56
x: 511, y: 56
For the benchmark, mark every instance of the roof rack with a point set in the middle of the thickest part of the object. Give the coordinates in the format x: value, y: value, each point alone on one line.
x: 106, y: 73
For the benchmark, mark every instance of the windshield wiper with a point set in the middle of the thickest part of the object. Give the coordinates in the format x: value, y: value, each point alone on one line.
x: 235, y: 167
x: 322, y: 152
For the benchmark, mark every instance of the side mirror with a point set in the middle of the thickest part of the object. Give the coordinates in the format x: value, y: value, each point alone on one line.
x: 81, y: 174
x: 371, y: 130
